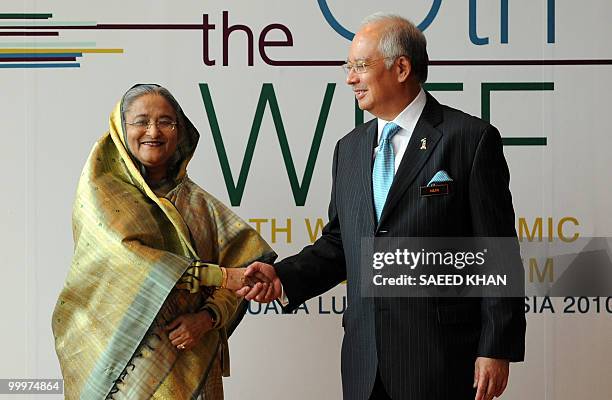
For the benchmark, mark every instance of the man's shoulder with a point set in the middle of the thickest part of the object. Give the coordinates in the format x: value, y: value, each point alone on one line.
x: 454, y: 117
x: 467, y: 131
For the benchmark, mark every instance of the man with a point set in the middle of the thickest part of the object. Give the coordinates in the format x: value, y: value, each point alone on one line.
x: 408, y: 348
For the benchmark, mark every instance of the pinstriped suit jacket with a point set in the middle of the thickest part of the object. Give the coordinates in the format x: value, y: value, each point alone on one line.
x: 423, y: 348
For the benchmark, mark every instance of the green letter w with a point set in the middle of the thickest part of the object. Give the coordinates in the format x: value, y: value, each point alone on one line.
x: 236, y: 190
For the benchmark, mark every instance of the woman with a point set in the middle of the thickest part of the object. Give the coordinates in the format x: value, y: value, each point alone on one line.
x: 146, y: 308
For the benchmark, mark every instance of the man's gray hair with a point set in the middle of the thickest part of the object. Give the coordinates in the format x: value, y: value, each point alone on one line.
x: 401, y: 37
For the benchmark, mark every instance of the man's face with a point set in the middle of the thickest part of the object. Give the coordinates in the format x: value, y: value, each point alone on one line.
x: 378, y: 89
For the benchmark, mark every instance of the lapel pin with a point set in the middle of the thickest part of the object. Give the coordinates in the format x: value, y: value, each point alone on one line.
x: 424, y: 144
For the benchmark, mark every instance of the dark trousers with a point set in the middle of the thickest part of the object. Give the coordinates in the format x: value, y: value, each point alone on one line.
x: 378, y: 391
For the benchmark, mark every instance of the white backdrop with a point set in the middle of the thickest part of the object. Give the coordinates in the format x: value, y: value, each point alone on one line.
x: 51, y: 116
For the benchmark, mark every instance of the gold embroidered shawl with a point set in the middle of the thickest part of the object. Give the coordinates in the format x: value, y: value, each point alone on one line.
x: 132, y: 249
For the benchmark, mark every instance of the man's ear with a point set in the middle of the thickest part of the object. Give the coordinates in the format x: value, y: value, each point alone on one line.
x: 404, y: 69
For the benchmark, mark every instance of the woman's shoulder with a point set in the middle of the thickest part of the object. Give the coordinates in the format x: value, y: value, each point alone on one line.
x: 197, y: 195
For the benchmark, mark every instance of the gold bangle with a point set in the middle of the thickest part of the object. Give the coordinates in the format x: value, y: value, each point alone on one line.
x: 224, y: 279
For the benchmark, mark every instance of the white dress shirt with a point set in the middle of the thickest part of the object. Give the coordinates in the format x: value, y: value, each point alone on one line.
x: 407, y: 120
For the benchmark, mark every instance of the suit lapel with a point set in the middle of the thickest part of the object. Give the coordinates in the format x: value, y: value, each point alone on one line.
x: 414, y: 158
x: 365, y: 157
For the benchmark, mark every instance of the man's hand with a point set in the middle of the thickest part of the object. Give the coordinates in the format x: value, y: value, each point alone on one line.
x: 490, y: 377
x: 267, y: 289
x: 187, y: 329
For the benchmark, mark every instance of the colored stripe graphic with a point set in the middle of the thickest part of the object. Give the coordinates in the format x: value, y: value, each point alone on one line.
x: 54, y: 54
x: 43, y: 24
x: 47, y: 44
x: 72, y: 25
x: 310, y: 63
x: 9, y: 55
x: 58, y: 65
x: 456, y: 63
x: 31, y: 54
x: 24, y: 16
x: 477, y: 63
x: 13, y: 59
x: 93, y: 25
x: 19, y: 55
x: 30, y: 33
x: 38, y: 57
x: 54, y: 51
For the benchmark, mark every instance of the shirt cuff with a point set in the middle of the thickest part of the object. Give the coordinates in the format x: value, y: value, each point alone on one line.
x: 283, y: 299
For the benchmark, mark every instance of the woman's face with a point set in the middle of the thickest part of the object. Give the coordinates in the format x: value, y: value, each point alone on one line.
x: 152, y: 133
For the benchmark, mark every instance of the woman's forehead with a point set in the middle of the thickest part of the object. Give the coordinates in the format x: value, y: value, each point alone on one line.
x: 151, y: 103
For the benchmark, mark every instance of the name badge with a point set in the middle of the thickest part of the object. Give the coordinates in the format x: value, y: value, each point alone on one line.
x: 434, y: 190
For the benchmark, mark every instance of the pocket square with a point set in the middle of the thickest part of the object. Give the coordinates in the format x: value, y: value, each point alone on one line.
x: 440, y: 177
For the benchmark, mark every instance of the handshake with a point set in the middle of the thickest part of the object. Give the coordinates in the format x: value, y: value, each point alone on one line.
x: 257, y: 282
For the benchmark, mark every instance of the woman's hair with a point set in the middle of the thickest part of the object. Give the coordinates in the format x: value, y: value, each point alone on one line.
x: 128, y: 100
x: 140, y: 90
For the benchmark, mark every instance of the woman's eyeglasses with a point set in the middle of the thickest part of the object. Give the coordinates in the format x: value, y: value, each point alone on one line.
x: 162, y: 125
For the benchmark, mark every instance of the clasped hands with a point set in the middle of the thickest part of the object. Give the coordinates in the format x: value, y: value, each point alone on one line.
x: 256, y: 282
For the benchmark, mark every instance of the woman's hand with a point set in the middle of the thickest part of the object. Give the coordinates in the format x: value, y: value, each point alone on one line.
x: 237, y: 280
x: 188, y: 329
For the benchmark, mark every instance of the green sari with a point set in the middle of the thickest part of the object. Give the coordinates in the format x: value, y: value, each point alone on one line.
x: 143, y: 257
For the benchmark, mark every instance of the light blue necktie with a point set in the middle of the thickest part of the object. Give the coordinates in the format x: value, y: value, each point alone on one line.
x: 384, y: 168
